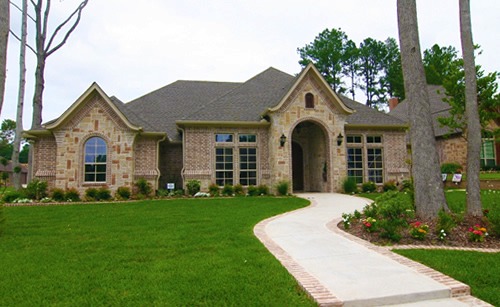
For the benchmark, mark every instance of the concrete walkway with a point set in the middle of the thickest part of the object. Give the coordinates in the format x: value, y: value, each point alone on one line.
x: 337, y: 269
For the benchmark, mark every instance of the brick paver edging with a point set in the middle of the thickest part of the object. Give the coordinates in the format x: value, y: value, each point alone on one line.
x: 458, y: 290
x: 306, y: 281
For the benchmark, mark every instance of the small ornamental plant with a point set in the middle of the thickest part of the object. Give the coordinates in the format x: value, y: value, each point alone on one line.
x: 346, y: 219
x: 418, y: 230
x: 369, y: 224
x: 477, y: 233
x: 441, y: 235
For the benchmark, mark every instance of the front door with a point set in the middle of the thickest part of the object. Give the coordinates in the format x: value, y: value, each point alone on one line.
x: 297, y: 167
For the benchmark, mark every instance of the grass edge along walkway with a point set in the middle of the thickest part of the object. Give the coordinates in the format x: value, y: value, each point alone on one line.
x: 176, y: 252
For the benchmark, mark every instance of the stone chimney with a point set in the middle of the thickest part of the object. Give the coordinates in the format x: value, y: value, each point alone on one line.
x: 393, y: 102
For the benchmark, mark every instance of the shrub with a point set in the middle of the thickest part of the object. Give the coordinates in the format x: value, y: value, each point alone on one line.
x: 282, y: 188
x: 103, y: 193
x: 193, y: 186
x: 143, y: 187
x: 390, y: 186
x: 350, y: 186
x: 394, y: 209
x: 395, y: 206
x: 371, y: 210
x: 162, y: 193
x: 228, y: 190
x: 91, y: 194
x: 72, y: 194
x: 213, y: 189
x: 238, y: 190
x: 57, y: 194
x: 123, y: 193
x: 11, y: 196
x: 450, y: 168
x: 369, y: 187
x: 36, y: 189
x: 263, y: 189
x: 252, y: 190
x: 407, y: 186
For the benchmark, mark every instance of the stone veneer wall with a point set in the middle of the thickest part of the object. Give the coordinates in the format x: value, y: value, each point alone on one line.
x: 325, y: 115
x: 170, y: 164
x: 129, y: 156
x: 452, y: 150
x: 199, y: 153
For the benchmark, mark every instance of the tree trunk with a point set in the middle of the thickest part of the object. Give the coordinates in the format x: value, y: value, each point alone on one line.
x: 38, y: 94
x: 4, y: 38
x: 20, y: 98
x: 471, y: 113
x: 429, y: 193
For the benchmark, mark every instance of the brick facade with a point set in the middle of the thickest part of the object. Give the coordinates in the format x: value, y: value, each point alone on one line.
x: 452, y: 150
x: 59, y: 159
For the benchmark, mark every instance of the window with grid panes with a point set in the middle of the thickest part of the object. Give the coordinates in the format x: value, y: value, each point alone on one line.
x: 375, y: 165
x: 248, y: 166
x: 224, y: 166
x: 95, y: 160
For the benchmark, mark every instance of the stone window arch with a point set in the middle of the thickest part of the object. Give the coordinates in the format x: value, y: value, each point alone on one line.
x: 309, y: 101
x: 95, y: 160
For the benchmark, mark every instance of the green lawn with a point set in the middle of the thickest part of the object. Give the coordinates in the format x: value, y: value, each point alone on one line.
x: 177, y: 252
x: 478, y: 270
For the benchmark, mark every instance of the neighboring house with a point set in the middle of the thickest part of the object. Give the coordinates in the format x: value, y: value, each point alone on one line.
x: 451, y: 145
x: 8, y: 169
x: 274, y: 127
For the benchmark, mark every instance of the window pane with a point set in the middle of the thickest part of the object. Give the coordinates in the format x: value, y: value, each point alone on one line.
x: 247, y: 138
x: 355, y: 163
x: 374, y: 139
x: 95, y: 160
x: 353, y: 139
x: 223, y: 137
x: 248, y: 166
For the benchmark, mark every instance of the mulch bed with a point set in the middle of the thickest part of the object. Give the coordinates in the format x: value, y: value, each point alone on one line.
x: 459, y: 237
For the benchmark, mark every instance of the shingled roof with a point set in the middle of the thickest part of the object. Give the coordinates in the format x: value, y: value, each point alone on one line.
x: 439, y: 109
x: 204, y: 101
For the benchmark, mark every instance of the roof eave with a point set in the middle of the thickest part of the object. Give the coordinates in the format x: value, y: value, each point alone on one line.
x: 94, y: 87
x: 376, y: 127
x: 230, y: 124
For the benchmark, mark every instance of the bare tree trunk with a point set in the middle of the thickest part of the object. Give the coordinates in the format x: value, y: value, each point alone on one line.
x: 38, y: 94
x: 4, y: 38
x: 20, y: 98
x: 471, y: 112
x: 429, y: 193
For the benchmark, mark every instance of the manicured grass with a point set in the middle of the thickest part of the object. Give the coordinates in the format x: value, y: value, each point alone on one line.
x: 176, y: 253
x: 489, y: 176
x: 478, y: 270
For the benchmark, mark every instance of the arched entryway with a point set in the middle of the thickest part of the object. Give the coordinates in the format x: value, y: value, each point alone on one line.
x: 310, y: 156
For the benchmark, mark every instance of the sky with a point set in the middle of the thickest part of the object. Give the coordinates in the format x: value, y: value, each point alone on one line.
x: 131, y: 47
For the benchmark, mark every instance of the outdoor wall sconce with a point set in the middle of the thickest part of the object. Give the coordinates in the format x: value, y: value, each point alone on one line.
x: 340, y: 138
x: 282, y: 140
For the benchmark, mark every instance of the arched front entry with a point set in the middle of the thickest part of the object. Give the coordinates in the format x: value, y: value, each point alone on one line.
x: 310, y: 156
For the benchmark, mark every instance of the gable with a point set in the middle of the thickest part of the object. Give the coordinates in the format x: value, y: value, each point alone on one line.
x: 94, y: 97
x: 311, y: 80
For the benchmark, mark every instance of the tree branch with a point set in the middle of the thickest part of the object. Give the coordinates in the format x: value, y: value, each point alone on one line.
x: 78, y: 11
x: 19, y: 39
x: 20, y: 10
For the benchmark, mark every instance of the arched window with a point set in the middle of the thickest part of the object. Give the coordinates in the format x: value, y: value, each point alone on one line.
x: 95, y: 160
x: 309, y: 101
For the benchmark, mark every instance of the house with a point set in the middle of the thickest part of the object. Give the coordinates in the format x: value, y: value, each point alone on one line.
x: 451, y: 145
x: 274, y: 127
x: 8, y: 169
